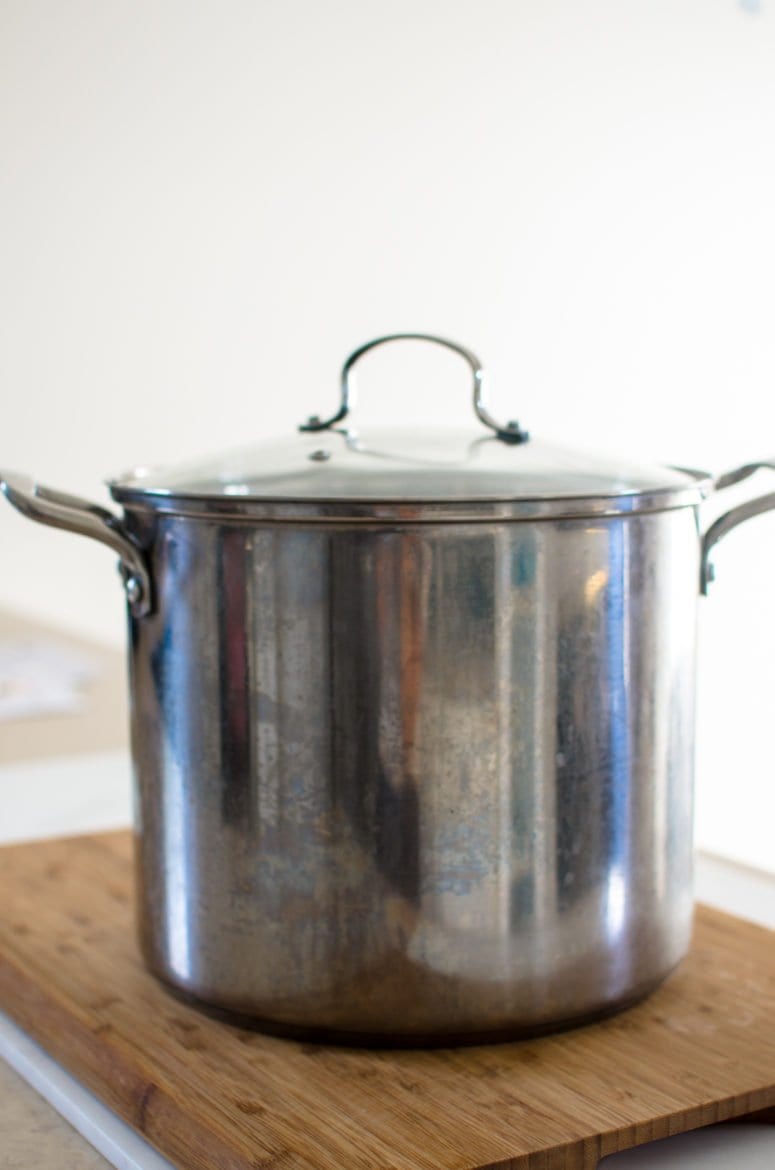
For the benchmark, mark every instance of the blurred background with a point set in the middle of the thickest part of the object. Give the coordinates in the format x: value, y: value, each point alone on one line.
x: 206, y: 206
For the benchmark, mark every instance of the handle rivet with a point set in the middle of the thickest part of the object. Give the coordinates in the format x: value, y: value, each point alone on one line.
x: 320, y: 456
x: 134, y: 590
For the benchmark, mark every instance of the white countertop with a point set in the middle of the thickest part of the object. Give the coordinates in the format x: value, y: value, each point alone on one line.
x: 88, y: 793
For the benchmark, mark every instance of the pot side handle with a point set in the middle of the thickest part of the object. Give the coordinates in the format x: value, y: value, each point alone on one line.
x: 734, y: 516
x: 60, y: 510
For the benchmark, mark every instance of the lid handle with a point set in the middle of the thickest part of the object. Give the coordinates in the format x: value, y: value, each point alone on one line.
x: 510, y: 433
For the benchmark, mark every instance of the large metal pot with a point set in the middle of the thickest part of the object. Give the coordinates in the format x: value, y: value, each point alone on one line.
x: 412, y: 725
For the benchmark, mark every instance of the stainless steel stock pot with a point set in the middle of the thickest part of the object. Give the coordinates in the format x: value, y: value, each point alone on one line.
x: 412, y: 723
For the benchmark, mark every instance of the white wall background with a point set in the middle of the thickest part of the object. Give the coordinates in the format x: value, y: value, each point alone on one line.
x: 206, y: 205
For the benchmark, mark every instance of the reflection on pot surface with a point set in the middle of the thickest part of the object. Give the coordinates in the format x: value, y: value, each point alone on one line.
x: 422, y: 779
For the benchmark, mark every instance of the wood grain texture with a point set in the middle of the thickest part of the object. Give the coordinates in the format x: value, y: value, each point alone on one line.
x: 208, y: 1094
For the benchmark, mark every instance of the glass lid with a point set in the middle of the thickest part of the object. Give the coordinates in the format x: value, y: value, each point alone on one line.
x: 331, y: 468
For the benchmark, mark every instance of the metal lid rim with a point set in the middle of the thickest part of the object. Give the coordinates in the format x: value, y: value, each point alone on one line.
x: 411, y: 511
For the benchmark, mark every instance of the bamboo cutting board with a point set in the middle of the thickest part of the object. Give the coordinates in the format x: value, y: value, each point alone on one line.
x: 210, y: 1095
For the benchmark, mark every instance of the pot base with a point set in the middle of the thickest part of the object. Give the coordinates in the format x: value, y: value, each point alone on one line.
x: 436, y: 1039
